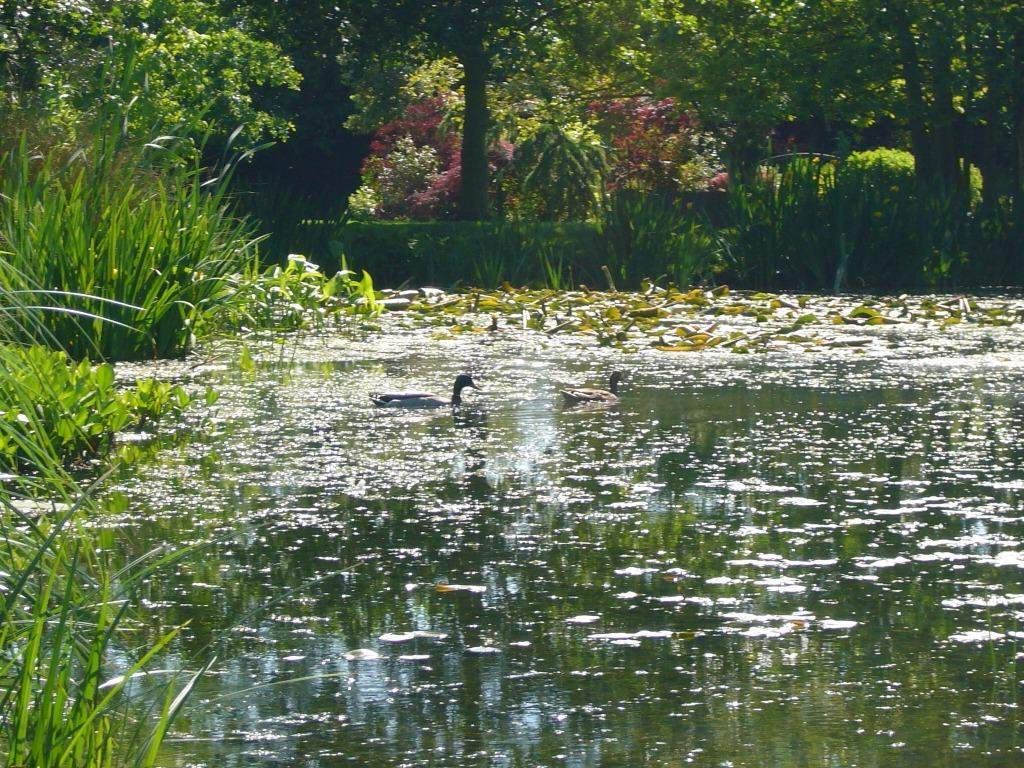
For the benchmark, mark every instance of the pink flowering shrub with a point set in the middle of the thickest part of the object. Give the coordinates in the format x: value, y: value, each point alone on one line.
x: 414, y: 168
x: 655, y: 146
x: 719, y: 182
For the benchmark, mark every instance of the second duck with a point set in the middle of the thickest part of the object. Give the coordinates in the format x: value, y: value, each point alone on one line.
x: 587, y: 395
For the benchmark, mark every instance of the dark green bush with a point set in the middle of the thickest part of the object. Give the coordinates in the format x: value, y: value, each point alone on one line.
x: 637, y: 237
x: 857, y: 225
x: 470, y: 253
x: 649, y: 236
x: 807, y: 224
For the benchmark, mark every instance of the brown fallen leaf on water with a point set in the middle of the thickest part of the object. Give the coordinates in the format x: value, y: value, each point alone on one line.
x: 474, y: 588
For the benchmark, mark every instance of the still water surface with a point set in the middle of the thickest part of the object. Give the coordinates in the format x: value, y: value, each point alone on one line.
x: 785, y: 559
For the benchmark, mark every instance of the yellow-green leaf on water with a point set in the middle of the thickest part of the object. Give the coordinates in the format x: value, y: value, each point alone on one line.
x: 863, y: 311
x: 245, y: 361
x: 733, y: 309
x: 678, y: 347
x: 647, y: 312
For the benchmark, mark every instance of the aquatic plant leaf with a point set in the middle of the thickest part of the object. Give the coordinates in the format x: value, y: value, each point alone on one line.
x: 474, y: 588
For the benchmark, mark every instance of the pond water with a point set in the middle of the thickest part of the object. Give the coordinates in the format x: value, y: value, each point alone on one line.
x: 784, y: 559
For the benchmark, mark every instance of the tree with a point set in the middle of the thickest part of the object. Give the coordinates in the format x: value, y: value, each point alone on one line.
x: 489, y: 39
x: 179, y: 64
x: 319, y: 160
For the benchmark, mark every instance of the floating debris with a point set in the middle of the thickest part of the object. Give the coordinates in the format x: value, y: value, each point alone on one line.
x: 673, y: 321
x: 474, y: 588
x: 362, y: 654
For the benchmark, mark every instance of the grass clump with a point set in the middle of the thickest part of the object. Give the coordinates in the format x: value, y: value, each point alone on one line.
x: 116, y: 251
x: 294, y: 295
x: 62, y: 705
x: 858, y: 224
x: 647, y: 236
x: 67, y: 656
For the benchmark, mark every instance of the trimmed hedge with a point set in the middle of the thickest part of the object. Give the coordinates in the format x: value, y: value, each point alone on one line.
x: 450, y: 253
x: 640, y: 236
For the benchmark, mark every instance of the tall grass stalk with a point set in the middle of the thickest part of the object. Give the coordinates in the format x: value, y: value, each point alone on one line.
x: 115, y: 251
x: 64, y: 611
x: 828, y: 226
x: 648, y: 236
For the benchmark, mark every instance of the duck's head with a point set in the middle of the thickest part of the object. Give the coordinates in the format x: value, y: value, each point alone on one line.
x: 464, y: 380
x: 614, y: 384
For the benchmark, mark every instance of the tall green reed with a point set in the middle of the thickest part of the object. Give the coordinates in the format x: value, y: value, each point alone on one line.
x: 825, y: 225
x: 116, y: 250
x: 67, y: 659
x: 651, y: 236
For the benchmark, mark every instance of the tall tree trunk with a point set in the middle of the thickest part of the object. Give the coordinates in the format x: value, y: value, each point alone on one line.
x: 1018, y: 192
x: 1017, y: 96
x: 913, y: 88
x: 944, y: 144
x: 988, y: 140
x: 473, y: 202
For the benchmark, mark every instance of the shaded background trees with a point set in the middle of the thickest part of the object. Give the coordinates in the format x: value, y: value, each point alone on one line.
x: 538, y: 109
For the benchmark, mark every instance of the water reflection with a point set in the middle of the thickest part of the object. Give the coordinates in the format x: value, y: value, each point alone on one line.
x: 748, y: 562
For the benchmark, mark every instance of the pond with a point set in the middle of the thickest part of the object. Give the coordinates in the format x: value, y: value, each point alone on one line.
x: 785, y: 558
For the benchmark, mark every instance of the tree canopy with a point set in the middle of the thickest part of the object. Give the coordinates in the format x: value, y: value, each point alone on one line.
x: 941, y: 78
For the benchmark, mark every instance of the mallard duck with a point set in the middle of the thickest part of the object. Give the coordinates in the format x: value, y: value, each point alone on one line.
x: 585, y: 395
x: 423, y: 399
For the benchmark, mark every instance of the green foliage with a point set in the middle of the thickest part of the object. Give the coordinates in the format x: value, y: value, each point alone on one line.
x: 636, y: 240
x: 559, y: 173
x: 895, y: 169
x: 66, y: 410
x: 289, y: 222
x: 115, y: 253
x: 824, y: 226
x: 66, y: 612
x: 884, y: 165
x: 296, y: 295
x: 453, y: 253
x: 648, y: 236
x: 181, y: 65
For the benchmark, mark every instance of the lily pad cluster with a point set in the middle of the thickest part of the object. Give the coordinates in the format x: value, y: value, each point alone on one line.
x: 672, y: 320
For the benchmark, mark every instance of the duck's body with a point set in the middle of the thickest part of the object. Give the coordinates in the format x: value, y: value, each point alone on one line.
x: 587, y: 395
x: 423, y: 399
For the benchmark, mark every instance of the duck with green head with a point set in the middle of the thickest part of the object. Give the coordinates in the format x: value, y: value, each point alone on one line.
x: 424, y: 399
